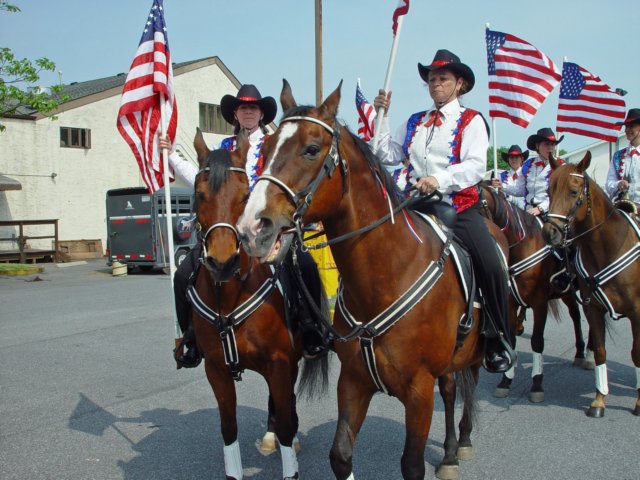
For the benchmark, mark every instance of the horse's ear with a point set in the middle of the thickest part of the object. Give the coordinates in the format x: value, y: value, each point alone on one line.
x: 554, y: 162
x: 584, y: 163
x: 329, y: 108
x: 286, y: 96
x: 242, y: 145
x: 201, y: 147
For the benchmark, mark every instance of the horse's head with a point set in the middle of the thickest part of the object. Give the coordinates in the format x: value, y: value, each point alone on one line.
x: 298, y: 184
x: 569, y: 199
x: 221, y: 188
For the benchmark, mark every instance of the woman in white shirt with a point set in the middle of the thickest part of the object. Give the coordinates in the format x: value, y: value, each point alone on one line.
x: 624, y: 169
x: 446, y: 150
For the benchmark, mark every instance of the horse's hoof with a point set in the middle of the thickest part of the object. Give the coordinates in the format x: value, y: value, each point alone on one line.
x: 501, y: 392
x: 595, y: 412
x: 536, y: 397
x: 466, y: 453
x: 588, y: 365
x: 268, y: 444
x: 579, y: 362
x: 636, y: 412
x: 448, y: 472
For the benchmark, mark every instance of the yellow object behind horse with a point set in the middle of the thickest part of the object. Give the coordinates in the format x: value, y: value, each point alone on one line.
x: 326, y: 265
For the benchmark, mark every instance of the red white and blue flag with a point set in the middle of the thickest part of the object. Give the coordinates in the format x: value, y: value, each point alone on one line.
x: 149, y: 77
x: 588, y: 106
x: 520, y: 77
x: 366, y: 115
x: 401, y: 9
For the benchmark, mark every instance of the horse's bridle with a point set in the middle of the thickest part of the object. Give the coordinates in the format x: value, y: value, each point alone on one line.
x: 219, y: 224
x: 571, y: 215
x: 302, y: 200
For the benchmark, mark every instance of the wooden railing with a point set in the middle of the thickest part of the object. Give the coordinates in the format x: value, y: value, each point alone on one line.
x: 22, y: 253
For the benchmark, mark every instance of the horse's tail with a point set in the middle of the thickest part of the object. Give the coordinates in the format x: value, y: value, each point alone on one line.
x: 314, y: 375
x: 553, y: 306
x: 466, y: 381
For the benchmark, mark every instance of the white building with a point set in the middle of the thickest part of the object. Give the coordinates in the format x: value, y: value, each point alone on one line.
x: 65, y: 166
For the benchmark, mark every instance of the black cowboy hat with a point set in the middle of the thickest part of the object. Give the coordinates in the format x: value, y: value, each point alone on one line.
x: 450, y: 61
x: 248, y: 94
x: 514, y: 150
x: 544, y: 134
x: 633, y: 116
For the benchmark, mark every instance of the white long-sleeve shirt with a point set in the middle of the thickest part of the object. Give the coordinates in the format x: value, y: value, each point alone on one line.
x: 532, y: 184
x: 432, y: 151
x: 625, y: 165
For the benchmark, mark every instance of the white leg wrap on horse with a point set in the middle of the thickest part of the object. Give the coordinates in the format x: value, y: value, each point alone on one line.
x: 351, y: 477
x: 511, y: 372
x: 232, y: 461
x: 602, y: 383
x: 536, y: 369
x: 289, y: 461
x: 590, y: 357
x: 637, y: 378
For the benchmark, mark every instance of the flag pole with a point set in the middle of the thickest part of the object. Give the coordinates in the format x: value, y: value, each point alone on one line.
x: 168, y: 210
x: 387, y: 81
x: 487, y: 26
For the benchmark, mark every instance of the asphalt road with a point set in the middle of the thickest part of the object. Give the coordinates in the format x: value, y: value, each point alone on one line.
x: 88, y: 390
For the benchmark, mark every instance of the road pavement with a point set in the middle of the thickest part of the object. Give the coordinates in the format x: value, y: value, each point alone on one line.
x: 89, y: 390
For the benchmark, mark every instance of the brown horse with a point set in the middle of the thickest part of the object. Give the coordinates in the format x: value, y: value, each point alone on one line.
x: 532, y: 265
x: 389, y: 337
x: 238, y: 316
x: 607, y: 245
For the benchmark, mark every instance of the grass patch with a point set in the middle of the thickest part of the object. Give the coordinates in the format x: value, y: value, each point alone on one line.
x: 19, y: 269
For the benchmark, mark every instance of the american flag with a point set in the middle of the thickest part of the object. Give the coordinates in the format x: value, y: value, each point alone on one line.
x: 401, y: 9
x: 587, y: 106
x: 150, y: 76
x: 366, y: 115
x: 520, y: 77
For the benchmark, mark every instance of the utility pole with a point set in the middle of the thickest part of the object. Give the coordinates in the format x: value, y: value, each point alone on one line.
x: 319, y: 96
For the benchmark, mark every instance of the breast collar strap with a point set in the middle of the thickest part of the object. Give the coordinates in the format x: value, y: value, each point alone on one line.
x: 302, y: 200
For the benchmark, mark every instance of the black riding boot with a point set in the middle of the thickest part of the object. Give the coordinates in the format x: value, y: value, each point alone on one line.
x: 191, y: 358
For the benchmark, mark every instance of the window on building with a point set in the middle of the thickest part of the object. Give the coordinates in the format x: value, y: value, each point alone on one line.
x: 211, y: 120
x: 75, y: 137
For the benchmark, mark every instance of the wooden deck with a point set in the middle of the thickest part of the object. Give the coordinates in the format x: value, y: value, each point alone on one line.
x: 24, y: 254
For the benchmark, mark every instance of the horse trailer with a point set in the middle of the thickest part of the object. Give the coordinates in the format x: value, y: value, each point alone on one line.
x: 137, y: 231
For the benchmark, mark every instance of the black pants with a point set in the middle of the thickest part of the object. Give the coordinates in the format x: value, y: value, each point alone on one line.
x: 181, y: 283
x: 470, y: 227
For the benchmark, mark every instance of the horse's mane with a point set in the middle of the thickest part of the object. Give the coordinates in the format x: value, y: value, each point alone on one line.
x: 218, y: 162
x: 502, y: 213
x: 378, y: 170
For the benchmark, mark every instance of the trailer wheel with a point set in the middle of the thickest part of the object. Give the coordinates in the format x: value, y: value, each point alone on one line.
x: 180, y: 256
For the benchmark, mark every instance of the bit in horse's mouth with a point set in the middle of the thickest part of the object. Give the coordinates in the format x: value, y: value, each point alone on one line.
x: 279, y: 249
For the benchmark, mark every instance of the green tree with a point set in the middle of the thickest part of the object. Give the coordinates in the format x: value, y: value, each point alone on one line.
x: 502, y: 165
x: 19, y: 81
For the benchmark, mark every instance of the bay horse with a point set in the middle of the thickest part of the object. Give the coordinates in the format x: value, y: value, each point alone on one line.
x: 607, y: 243
x: 532, y: 264
x: 238, y: 316
x: 390, y: 336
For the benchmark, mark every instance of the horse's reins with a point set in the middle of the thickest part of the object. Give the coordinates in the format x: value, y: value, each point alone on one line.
x: 302, y: 199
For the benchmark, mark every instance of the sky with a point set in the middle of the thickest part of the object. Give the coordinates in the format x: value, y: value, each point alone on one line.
x: 262, y: 42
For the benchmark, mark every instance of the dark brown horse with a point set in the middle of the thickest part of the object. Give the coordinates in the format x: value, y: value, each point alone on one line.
x: 532, y: 264
x: 238, y: 315
x: 607, y: 243
x: 316, y: 170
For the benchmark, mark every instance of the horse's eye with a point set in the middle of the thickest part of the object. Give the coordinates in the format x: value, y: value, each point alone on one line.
x: 311, y: 151
x: 201, y: 196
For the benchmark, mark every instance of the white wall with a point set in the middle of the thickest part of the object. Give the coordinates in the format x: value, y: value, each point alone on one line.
x: 31, y: 153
